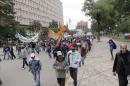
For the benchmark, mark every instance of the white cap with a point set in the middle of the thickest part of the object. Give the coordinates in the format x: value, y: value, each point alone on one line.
x: 59, y: 53
x: 32, y: 54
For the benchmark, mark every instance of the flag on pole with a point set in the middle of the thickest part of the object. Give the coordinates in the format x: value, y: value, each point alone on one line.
x: 69, y: 23
x: 52, y: 34
x: 62, y: 28
x: 60, y: 34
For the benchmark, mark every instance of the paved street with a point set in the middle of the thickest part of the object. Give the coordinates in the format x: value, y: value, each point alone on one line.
x: 98, y: 67
x: 97, y: 70
x: 12, y: 74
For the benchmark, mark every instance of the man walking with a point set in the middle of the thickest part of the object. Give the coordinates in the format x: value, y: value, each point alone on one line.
x: 61, y: 66
x: 121, y: 65
x: 24, y: 55
x: 112, y: 46
x: 35, y: 67
x: 6, y: 51
x: 12, y: 52
x: 74, y: 59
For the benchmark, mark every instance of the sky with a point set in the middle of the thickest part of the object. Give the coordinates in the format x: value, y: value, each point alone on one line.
x: 72, y: 11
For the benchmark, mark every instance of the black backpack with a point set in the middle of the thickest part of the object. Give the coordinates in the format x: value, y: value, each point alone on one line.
x: 114, y: 45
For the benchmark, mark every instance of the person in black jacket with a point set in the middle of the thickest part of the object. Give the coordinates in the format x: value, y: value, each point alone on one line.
x: 12, y: 52
x: 56, y: 49
x: 119, y: 66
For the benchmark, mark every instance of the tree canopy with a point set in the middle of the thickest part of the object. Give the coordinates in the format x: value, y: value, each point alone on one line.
x: 7, y: 20
x: 108, y: 15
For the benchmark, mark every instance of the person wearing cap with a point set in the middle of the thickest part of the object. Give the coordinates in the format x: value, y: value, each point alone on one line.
x: 74, y: 59
x: 57, y: 48
x: 35, y: 68
x: 61, y: 67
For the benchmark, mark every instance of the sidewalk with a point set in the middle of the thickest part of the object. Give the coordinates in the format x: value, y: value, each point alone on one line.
x: 97, y: 70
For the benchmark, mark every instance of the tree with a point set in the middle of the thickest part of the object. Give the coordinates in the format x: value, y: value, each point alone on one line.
x: 7, y: 19
x: 109, y: 16
x: 54, y: 26
x: 35, y: 25
x: 102, y: 13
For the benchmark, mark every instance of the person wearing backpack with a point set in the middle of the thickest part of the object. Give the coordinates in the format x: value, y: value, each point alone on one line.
x: 112, y: 46
x: 121, y: 65
x: 61, y: 66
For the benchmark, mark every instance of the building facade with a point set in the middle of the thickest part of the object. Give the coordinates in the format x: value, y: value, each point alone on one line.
x: 44, y: 11
x: 82, y: 25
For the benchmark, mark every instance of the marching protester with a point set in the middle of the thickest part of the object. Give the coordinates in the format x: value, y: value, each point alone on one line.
x: 61, y: 66
x: 57, y: 48
x: 74, y: 43
x: 89, y: 44
x: 24, y: 55
x: 74, y: 59
x: 19, y: 50
x: 12, y: 52
x: 33, y: 48
x: 121, y: 65
x: 64, y: 48
x: 49, y: 51
x: 6, y: 51
x: 79, y: 50
x: 35, y: 68
x: 69, y: 45
x: 112, y: 46
x: 83, y: 53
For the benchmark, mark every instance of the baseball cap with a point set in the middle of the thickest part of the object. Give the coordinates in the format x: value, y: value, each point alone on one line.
x: 59, y: 53
x: 32, y: 54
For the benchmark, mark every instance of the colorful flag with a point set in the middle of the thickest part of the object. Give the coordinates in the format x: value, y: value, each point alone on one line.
x: 60, y: 34
x: 52, y: 34
x: 62, y: 28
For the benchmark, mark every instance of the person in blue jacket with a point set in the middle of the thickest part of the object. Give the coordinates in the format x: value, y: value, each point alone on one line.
x: 35, y: 68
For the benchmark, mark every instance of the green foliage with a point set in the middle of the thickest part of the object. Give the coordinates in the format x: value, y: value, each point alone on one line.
x: 54, y: 26
x: 34, y: 25
x: 108, y: 15
x: 45, y: 32
x: 7, y: 20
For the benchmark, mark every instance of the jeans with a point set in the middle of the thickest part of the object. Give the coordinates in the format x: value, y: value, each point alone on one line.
x: 61, y: 81
x: 37, y: 77
x: 82, y: 61
x: 49, y: 54
x: 7, y: 54
x: 19, y: 53
x: 73, y: 74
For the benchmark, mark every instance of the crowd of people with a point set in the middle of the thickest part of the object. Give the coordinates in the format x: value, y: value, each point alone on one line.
x: 68, y: 56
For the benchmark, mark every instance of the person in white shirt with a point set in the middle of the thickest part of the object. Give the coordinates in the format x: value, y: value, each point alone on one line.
x: 74, y: 59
